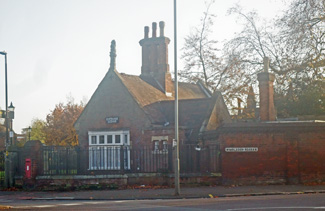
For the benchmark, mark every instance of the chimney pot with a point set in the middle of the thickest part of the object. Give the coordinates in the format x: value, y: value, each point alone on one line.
x: 162, y: 28
x: 154, y: 29
x: 266, y: 62
x: 146, y: 32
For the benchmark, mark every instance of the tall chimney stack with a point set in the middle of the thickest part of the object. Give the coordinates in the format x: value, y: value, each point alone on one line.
x: 266, y: 79
x: 155, y: 67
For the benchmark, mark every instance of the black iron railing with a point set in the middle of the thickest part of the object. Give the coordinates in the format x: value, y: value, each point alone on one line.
x: 120, y: 160
x: 2, y: 168
x: 60, y: 160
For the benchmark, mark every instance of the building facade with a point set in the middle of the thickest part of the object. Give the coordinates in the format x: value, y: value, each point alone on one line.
x: 137, y: 111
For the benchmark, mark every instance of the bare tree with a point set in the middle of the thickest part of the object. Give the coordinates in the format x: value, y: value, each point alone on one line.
x: 253, y: 43
x: 205, y: 62
x: 200, y: 51
x: 303, y: 35
x: 294, y: 42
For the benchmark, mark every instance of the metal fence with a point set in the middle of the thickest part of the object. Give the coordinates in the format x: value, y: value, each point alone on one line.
x: 60, y: 161
x: 120, y: 160
x: 2, y: 168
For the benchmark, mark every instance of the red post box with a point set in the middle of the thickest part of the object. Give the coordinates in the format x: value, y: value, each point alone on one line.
x: 28, y: 168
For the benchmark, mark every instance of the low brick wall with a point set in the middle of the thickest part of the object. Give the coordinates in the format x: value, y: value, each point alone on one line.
x: 117, y: 181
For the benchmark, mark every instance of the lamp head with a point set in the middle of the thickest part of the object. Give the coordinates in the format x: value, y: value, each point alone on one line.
x: 3, y: 53
x: 11, y: 107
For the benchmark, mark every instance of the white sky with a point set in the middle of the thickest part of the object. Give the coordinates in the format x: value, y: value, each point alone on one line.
x: 58, y: 48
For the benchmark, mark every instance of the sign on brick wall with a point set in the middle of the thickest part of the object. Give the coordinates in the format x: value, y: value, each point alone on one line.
x: 241, y: 149
x: 112, y: 120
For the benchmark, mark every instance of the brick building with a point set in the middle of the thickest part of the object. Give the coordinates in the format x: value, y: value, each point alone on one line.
x: 135, y: 111
x: 138, y: 111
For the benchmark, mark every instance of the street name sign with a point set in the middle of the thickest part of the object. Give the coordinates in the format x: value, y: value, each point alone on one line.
x: 241, y: 149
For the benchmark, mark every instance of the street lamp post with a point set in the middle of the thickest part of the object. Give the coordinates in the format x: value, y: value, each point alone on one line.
x: 6, y: 122
x: 29, y: 131
x: 6, y: 96
x: 177, y: 182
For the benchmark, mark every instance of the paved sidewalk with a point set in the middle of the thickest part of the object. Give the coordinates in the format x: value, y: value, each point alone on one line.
x: 168, y: 193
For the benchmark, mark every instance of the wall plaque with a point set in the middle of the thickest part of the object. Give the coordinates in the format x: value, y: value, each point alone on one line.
x: 112, y: 120
x: 241, y: 149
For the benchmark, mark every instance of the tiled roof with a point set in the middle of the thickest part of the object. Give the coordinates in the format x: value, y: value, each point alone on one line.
x: 145, y: 94
x: 192, y: 112
x: 193, y: 102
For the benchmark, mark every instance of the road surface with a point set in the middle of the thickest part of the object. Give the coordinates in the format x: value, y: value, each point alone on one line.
x: 270, y: 202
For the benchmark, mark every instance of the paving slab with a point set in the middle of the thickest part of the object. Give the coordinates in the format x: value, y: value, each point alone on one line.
x: 163, y: 193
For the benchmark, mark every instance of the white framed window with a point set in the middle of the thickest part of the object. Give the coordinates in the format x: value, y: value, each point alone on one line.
x: 117, y: 139
x: 93, y: 139
x: 109, y: 139
x: 101, y: 139
x: 105, y: 148
x: 156, y: 145
x: 160, y: 144
x: 165, y: 145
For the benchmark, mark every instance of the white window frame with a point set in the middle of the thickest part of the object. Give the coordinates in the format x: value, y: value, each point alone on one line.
x: 100, y: 153
x: 122, y: 133
x: 160, y: 144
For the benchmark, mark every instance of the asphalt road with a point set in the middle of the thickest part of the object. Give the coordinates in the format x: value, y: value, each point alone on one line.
x: 271, y: 202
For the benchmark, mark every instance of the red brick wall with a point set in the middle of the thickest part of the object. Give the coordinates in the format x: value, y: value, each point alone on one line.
x: 265, y: 165
x: 286, y: 155
x: 312, y: 157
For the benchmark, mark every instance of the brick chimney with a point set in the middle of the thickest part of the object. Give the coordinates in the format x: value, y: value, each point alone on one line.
x: 266, y: 79
x: 155, y: 67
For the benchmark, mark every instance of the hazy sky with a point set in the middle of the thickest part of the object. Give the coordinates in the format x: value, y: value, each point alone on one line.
x: 58, y: 48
